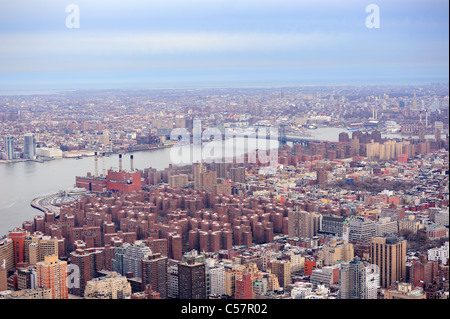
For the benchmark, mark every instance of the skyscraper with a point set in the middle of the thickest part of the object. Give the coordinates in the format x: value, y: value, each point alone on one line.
x: 354, y: 146
x: 237, y: 174
x: 172, y: 280
x: 175, y: 243
x: 372, y: 282
x: 197, y: 169
x: 207, y: 180
x: 6, y: 253
x: 38, y: 246
x: 322, y: 176
x: 87, y: 265
x: 343, y: 137
x: 282, y: 269
x: 376, y: 136
x: 303, y: 224
x: 9, y: 147
x: 352, y: 280
x: 128, y: 258
x: 215, y: 277
x: 3, y: 278
x: 437, y: 135
x: 29, y: 146
x: 52, y: 274
x: 154, y: 273
x: 191, y: 279
x: 221, y: 169
x: 18, y: 236
x: 435, y: 105
x: 389, y: 254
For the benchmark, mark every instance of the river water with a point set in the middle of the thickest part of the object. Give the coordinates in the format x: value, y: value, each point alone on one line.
x: 21, y: 182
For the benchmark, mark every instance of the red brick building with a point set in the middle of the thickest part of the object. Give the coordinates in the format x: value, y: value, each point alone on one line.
x: 309, y: 266
x: 18, y: 237
x: 244, y: 288
x: 424, y: 272
x: 118, y: 181
x: 121, y: 181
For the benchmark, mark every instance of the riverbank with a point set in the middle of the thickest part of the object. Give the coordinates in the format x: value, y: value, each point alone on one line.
x: 45, y: 203
x: 83, y: 154
x: 14, y: 161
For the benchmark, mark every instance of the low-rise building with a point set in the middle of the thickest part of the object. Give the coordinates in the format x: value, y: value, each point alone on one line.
x: 404, y: 291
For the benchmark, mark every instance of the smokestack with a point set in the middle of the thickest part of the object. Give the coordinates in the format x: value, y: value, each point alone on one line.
x: 104, y: 164
x: 132, y: 164
x: 120, y: 162
x: 96, y: 165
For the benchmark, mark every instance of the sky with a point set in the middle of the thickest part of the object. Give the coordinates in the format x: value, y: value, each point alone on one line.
x: 215, y: 43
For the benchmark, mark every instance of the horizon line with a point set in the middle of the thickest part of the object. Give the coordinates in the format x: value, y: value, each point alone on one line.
x: 55, y: 90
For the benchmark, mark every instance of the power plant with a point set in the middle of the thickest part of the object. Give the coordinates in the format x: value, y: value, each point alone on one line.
x: 121, y: 181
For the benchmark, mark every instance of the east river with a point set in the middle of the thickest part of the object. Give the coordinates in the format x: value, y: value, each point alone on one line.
x: 21, y: 182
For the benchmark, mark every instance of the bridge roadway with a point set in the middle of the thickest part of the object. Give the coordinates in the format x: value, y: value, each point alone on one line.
x: 299, y: 139
x: 287, y: 138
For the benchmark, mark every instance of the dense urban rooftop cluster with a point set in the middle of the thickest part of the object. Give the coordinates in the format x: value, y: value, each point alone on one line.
x: 363, y: 217
x: 78, y: 123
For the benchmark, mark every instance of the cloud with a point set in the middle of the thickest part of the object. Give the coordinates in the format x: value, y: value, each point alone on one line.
x: 20, y: 52
x: 263, y: 37
x: 158, y: 43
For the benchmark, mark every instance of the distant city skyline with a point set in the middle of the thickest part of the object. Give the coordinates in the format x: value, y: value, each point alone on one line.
x: 199, y: 43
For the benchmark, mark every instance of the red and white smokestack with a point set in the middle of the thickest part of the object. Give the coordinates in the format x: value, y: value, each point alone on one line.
x: 104, y: 164
x: 132, y: 164
x: 120, y: 162
x: 96, y: 165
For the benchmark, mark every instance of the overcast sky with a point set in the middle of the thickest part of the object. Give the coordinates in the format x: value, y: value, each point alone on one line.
x: 170, y: 43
